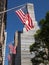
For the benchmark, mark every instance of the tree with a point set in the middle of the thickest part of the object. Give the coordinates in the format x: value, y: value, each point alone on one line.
x: 44, y: 34
x: 41, y: 41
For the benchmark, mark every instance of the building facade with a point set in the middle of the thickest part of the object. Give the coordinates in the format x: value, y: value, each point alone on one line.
x: 18, y: 48
x: 16, y: 58
x: 4, y: 48
x: 27, y: 38
x: 3, y: 6
x: 23, y: 40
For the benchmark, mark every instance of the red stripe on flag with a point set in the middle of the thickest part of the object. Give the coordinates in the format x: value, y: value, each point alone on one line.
x: 9, y: 57
x: 21, y: 15
x: 26, y: 19
x: 30, y: 21
x: 27, y: 23
x: 27, y: 28
x: 14, y: 50
x: 11, y: 48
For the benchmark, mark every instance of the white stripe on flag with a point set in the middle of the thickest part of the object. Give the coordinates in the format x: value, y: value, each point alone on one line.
x: 19, y: 13
x: 26, y: 19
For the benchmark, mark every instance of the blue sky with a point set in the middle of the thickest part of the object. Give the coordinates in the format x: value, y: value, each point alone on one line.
x: 14, y: 23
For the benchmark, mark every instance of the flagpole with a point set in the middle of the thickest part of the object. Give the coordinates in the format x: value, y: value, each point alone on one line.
x: 12, y: 8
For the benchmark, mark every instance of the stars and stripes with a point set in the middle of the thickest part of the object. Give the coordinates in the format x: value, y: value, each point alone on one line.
x: 9, y: 57
x: 26, y: 19
x: 28, y: 24
x: 21, y: 14
x: 12, y: 49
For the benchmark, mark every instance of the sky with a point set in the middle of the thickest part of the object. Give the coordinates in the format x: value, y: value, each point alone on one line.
x: 14, y: 23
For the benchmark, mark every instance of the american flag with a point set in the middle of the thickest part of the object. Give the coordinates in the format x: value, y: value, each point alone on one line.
x: 28, y: 24
x: 9, y: 57
x: 26, y: 19
x: 21, y: 14
x: 12, y: 49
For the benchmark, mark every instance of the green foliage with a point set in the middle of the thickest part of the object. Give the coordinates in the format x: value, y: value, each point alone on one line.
x: 41, y: 35
x: 31, y: 47
x: 41, y: 23
x: 47, y: 16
